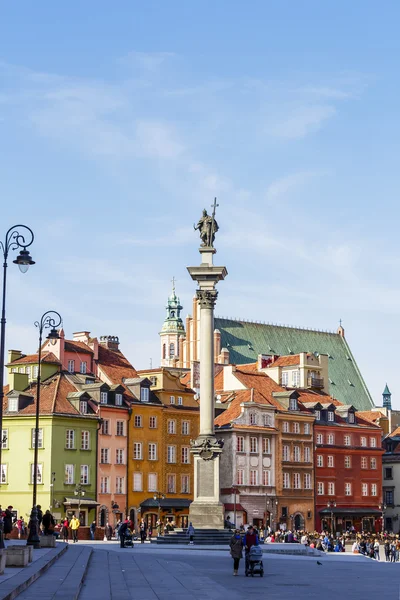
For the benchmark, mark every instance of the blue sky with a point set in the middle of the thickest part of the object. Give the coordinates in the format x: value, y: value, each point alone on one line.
x: 120, y: 122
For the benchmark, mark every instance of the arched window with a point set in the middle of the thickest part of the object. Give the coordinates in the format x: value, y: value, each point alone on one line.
x: 164, y: 351
x: 171, y: 350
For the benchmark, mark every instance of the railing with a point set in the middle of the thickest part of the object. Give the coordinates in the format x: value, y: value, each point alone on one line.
x: 314, y: 382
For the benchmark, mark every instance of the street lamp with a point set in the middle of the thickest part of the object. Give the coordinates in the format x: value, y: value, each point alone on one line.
x: 14, y: 239
x: 158, y: 496
x: 331, y: 504
x: 383, y: 507
x: 50, y: 319
x: 79, y: 491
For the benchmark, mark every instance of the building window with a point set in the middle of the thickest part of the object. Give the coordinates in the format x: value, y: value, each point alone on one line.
x: 39, y: 473
x: 185, y: 455
x: 69, y: 474
x: 172, y: 399
x: 351, y: 417
x: 266, y: 446
x: 240, y: 477
x: 307, y: 428
x: 331, y: 415
x: 347, y: 462
x: 118, y: 399
x: 105, y: 456
x: 331, y: 439
x: 137, y: 482
x: 105, y: 485
x: 296, y: 453
x: 317, y: 415
x: 296, y: 481
x: 164, y: 350
x: 320, y: 460
x: 253, y: 445
x: 4, y: 439
x: 152, y: 482
x: 171, y: 484
x: 253, y: 477
x: 253, y: 418
x: 320, y: 438
x: 84, y: 474
x: 105, y: 428
x: 363, y: 441
x: 71, y: 367
x: 171, y: 426
x: 137, y: 421
x: 307, y: 481
x: 296, y: 428
x: 320, y: 488
x: 293, y: 404
x: 267, y: 478
x: 83, y: 407
x: 120, y: 456
x: 137, y: 451
x: 373, y: 463
x: 70, y: 439
x: 153, y: 422
x: 35, y: 372
x: 372, y: 442
x: 120, y: 485
x: 307, y: 454
x: 28, y: 371
x: 347, y: 489
x: 171, y: 454
x: 171, y: 350
x: 285, y: 453
x: 331, y: 461
x: 85, y: 440
x: 144, y: 394
x: 21, y: 370
x: 185, y: 427
x: 103, y: 397
x: 180, y: 400
x: 120, y: 427
x: 364, y: 463
x: 286, y: 481
x: 285, y: 427
x: 331, y: 488
x: 185, y: 484
x: 389, y: 497
x: 364, y: 489
x: 13, y: 405
x: 152, y: 451
x: 388, y: 473
x: 374, y: 489
x: 295, y: 382
x: 40, y: 438
x: 267, y: 420
x: 285, y: 378
x: 83, y: 368
x: 347, y: 440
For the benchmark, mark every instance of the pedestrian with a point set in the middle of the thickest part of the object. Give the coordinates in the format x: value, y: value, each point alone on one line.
x: 143, y: 531
x: 393, y: 551
x: 48, y: 523
x: 236, y: 546
x: 92, y: 530
x: 190, y: 532
x: 39, y: 514
x: 20, y: 527
x: 160, y: 527
x: 7, y: 522
x: 109, y: 532
x: 123, y: 528
x: 65, y: 530
x: 387, y: 550
x: 250, y: 539
x: 74, y: 525
x: 376, y: 549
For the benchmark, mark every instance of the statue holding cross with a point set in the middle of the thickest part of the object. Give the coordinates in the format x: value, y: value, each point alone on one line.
x: 208, y: 227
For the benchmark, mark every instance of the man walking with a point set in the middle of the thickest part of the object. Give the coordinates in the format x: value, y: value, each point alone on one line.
x: 92, y: 530
x: 123, y: 528
x: 74, y: 524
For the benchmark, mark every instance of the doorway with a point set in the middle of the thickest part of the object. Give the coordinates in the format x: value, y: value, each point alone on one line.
x: 298, y: 522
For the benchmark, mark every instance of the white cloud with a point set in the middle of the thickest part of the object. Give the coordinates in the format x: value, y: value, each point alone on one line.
x: 157, y: 140
x: 148, y: 61
x: 302, y: 121
x: 280, y: 187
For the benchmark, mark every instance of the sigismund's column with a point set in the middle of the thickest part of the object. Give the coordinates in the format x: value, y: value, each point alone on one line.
x: 206, y: 510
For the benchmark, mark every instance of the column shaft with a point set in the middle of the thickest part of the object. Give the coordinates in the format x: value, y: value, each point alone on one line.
x: 206, y: 370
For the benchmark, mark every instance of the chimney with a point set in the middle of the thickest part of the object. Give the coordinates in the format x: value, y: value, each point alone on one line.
x: 81, y: 336
x: 109, y: 341
x: 223, y: 358
x: 14, y: 355
x: 217, y: 342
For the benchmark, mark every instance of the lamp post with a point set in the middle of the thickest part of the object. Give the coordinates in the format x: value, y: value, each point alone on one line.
x: 383, y: 507
x: 235, y: 491
x: 331, y: 504
x: 79, y: 491
x: 292, y: 522
x: 158, y: 496
x: 50, y: 320
x: 14, y: 239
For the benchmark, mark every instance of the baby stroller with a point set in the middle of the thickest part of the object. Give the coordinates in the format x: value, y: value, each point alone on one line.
x: 254, y: 563
x: 128, y: 541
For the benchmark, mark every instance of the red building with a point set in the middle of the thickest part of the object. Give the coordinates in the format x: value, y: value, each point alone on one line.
x: 348, y: 468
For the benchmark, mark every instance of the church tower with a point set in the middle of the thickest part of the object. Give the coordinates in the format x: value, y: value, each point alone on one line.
x: 172, y: 330
x: 387, y: 398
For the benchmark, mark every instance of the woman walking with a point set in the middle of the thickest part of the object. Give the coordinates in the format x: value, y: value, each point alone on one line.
x: 65, y: 530
x: 236, y: 545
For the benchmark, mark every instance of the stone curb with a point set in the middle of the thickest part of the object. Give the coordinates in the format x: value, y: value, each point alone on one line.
x: 12, y: 587
x: 71, y: 587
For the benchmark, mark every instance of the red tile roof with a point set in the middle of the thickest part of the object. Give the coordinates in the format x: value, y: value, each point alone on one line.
x: 115, y: 366
x: 79, y: 347
x: 395, y: 432
x: 47, y: 357
x: 286, y: 361
x: 370, y: 415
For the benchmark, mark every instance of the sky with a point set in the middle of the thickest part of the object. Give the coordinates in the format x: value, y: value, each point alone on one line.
x: 120, y: 122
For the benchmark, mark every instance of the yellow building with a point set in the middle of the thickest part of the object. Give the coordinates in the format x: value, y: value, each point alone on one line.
x: 165, y: 417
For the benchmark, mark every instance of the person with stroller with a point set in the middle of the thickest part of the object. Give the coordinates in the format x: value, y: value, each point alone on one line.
x: 250, y: 539
x: 236, y: 545
x: 122, y: 531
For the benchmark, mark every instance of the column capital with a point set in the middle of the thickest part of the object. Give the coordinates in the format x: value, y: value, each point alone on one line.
x: 207, y: 298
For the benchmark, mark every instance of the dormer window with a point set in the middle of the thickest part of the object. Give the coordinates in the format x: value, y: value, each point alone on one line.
x: 144, y: 394
x: 267, y: 421
x: 293, y: 404
x: 153, y: 379
x: 253, y: 418
x: 118, y: 399
x: 83, y: 367
x: 103, y: 397
x: 285, y: 378
x: 13, y: 405
x: 331, y: 415
x: 172, y: 399
x: 296, y: 378
x: 180, y: 401
x: 318, y: 415
x: 351, y: 417
x: 83, y: 407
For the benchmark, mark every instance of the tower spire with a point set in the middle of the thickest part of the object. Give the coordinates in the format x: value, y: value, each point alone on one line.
x: 172, y: 329
x: 387, y: 398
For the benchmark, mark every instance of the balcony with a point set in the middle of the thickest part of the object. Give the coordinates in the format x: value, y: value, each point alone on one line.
x: 315, y: 383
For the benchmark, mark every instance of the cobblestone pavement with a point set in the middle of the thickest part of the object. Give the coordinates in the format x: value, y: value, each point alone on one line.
x: 148, y: 573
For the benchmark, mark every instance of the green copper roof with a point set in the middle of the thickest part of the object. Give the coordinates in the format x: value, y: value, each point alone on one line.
x: 386, y: 391
x: 246, y: 340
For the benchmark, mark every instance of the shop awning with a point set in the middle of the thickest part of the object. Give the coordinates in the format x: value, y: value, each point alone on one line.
x: 231, y: 507
x: 83, y: 502
x: 361, y: 512
x: 177, y: 503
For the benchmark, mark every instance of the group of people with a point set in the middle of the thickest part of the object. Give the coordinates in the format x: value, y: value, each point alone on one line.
x: 240, y: 542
